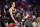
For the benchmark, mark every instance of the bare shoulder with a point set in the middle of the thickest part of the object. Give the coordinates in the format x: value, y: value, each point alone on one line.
x: 10, y: 9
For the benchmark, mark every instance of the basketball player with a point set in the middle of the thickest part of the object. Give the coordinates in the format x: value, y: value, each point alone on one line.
x: 12, y: 22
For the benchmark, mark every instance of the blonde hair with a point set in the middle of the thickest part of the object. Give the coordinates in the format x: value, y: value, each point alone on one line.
x: 38, y: 17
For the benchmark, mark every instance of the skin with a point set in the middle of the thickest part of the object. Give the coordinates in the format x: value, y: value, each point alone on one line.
x: 10, y: 10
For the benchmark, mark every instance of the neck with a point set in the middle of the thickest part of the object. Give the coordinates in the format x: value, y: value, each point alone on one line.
x: 12, y: 7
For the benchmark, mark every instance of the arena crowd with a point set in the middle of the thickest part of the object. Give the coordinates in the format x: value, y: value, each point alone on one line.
x: 27, y: 13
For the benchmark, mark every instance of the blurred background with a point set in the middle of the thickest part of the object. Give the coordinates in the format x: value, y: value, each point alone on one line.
x: 27, y: 14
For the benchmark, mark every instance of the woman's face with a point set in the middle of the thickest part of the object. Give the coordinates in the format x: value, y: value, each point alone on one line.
x: 37, y: 20
x: 13, y: 4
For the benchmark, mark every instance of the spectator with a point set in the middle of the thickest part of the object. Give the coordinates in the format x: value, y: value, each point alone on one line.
x: 28, y: 23
x: 36, y: 23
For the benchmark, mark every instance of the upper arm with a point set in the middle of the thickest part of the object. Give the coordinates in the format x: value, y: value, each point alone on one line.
x: 10, y: 11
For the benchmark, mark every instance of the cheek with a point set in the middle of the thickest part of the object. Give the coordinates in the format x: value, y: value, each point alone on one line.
x: 13, y: 5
